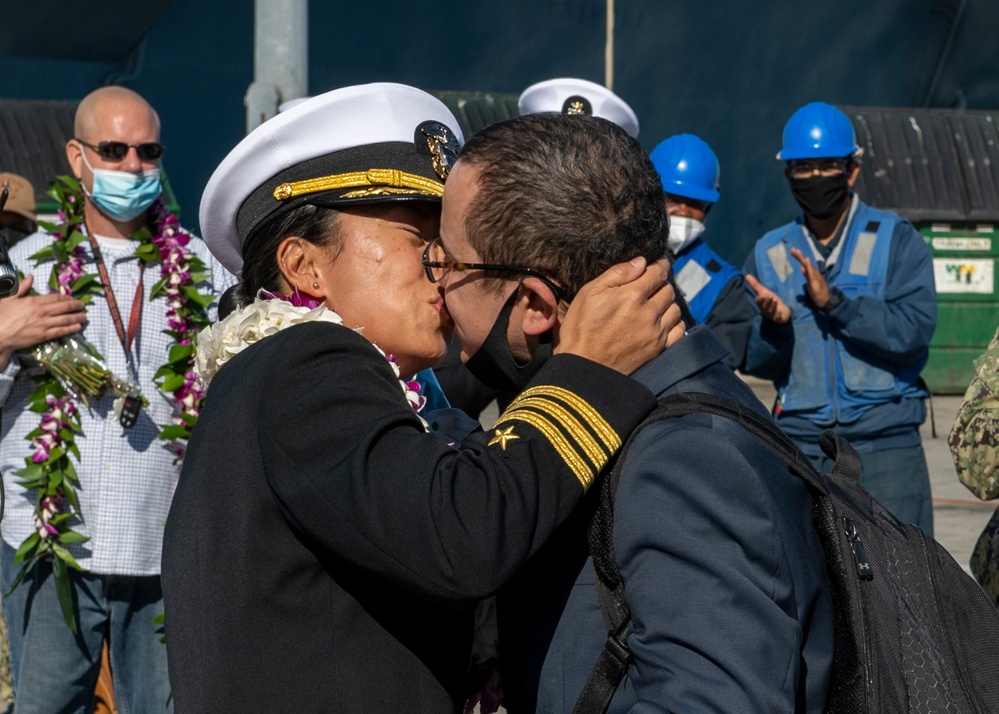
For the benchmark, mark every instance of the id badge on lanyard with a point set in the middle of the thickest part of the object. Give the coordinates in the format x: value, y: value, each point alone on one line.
x: 127, y: 408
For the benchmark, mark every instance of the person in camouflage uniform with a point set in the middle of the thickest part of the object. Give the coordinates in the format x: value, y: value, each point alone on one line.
x: 974, y: 445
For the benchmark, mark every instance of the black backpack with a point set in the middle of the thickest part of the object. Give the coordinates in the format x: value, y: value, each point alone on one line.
x: 913, y: 631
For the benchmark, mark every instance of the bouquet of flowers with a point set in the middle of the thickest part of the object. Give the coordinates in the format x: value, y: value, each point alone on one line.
x: 78, y: 367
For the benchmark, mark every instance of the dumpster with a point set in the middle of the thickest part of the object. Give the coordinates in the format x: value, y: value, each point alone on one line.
x: 964, y: 268
x: 939, y: 168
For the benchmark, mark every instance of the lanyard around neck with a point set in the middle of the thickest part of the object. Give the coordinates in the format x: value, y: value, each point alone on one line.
x: 135, y: 318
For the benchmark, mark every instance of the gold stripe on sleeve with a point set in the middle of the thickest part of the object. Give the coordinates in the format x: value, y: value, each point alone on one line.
x: 583, y: 472
x: 589, y: 415
x: 597, y: 454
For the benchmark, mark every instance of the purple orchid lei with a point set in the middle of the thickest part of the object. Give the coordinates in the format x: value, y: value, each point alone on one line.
x: 50, y: 470
x: 187, y: 314
x: 296, y: 298
x: 410, y: 386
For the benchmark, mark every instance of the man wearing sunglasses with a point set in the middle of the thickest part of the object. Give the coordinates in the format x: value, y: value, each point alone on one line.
x: 713, y: 536
x: 844, y: 309
x: 126, y: 474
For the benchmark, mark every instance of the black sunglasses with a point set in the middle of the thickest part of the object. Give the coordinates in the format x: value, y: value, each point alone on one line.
x: 118, y: 150
x: 437, y: 269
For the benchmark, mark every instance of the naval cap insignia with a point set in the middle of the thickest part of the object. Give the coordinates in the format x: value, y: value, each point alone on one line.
x: 577, y: 105
x: 440, y: 143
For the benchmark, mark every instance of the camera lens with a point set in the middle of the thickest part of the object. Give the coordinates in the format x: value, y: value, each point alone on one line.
x: 8, y: 280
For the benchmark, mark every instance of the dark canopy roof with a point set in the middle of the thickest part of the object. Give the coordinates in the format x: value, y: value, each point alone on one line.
x: 105, y: 31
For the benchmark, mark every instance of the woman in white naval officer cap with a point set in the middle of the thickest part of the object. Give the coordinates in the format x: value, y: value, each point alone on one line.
x: 323, y: 551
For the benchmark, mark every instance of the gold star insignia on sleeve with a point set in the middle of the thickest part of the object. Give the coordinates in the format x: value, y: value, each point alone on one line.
x: 503, y: 436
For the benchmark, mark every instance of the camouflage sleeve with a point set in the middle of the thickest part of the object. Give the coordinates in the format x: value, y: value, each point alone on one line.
x: 974, y: 439
x: 984, y: 561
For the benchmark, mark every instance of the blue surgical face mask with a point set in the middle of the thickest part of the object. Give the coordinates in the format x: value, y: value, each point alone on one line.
x: 123, y: 195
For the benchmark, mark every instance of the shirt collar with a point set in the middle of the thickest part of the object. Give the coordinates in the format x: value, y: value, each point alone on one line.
x: 829, y: 254
x: 698, y: 349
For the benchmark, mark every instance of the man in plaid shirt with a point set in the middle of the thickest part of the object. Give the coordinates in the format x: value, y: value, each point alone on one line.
x: 127, y: 476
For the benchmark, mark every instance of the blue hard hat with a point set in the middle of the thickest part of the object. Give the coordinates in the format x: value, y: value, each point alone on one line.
x: 818, y: 131
x: 687, y: 167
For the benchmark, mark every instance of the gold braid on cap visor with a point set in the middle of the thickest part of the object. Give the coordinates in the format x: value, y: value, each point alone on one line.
x: 384, y: 180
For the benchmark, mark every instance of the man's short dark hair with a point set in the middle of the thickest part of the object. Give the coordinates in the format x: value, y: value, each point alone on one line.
x: 568, y: 196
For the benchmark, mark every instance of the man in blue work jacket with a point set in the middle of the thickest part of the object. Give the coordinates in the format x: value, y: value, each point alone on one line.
x: 713, y: 289
x: 845, y: 307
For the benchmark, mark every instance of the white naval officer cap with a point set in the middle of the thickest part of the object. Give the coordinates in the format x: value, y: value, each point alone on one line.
x: 364, y: 144
x: 568, y: 95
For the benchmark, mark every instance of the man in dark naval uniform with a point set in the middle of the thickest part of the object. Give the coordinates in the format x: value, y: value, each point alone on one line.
x: 323, y: 552
x: 713, y: 535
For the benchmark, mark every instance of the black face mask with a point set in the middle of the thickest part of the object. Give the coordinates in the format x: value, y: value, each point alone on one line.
x: 821, y: 196
x: 493, y: 363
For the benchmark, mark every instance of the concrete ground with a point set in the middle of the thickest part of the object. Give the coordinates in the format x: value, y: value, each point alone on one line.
x: 958, y: 516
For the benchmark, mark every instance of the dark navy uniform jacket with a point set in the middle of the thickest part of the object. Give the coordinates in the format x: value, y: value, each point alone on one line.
x: 722, y: 571
x: 323, y: 553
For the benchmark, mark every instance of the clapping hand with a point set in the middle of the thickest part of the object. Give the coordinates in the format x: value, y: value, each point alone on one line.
x: 815, y: 282
x: 772, y: 307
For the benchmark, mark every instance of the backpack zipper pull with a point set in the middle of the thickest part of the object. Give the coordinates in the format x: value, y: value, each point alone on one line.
x: 864, y: 570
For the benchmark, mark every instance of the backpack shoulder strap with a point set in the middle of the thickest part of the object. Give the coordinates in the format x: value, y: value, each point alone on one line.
x: 614, y: 659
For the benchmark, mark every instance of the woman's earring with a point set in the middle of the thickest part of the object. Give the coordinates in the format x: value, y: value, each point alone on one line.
x: 315, y: 286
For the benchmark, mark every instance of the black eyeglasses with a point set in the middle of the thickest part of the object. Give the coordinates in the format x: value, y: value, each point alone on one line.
x: 118, y: 150
x: 437, y: 269
x: 825, y: 169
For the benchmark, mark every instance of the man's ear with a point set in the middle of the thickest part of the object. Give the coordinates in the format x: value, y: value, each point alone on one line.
x: 74, y: 154
x: 299, y: 262
x: 540, y: 306
x: 854, y: 173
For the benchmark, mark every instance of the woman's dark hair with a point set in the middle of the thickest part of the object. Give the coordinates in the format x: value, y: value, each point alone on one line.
x: 315, y: 224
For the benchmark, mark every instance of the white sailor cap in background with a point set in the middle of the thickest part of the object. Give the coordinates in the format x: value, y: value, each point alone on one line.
x: 363, y: 144
x: 578, y: 96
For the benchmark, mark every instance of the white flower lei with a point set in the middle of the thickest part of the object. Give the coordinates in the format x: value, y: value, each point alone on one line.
x: 220, y: 342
